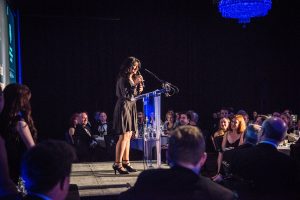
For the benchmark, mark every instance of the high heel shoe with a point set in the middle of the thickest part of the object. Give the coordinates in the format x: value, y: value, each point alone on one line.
x: 128, y: 167
x: 120, y: 169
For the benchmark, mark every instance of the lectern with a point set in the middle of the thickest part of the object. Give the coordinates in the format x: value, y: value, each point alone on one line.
x: 152, y: 128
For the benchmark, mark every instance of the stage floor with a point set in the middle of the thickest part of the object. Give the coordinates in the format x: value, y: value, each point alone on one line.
x: 99, y: 179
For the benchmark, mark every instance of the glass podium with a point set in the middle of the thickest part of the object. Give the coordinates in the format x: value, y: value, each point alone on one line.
x: 152, y: 128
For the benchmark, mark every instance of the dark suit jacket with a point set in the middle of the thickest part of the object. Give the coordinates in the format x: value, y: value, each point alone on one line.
x: 96, y: 125
x: 228, y: 156
x: 270, y: 171
x: 175, y: 183
x: 82, y: 140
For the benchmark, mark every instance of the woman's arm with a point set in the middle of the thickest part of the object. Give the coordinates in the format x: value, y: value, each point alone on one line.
x: 71, y: 134
x: 241, y: 139
x: 25, y: 134
x: 224, y: 141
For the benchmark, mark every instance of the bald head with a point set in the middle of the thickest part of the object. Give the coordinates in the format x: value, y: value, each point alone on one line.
x: 274, y: 129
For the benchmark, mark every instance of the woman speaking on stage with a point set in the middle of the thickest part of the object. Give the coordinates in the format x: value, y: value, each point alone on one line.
x: 129, y: 84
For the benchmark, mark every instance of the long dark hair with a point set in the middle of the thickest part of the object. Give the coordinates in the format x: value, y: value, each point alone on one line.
x: 127, y: 64
x: 16, y: 98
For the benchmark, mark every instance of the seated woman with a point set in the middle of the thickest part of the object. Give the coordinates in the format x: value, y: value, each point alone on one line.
x: 69, y: 137
x: 233, y: 138
x: 217, y: 138
x: 287, y: 118
x: 169, y: 124
x: 218, y: 135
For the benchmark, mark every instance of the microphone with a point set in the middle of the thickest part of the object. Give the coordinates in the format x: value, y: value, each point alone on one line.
x: 142, y: 82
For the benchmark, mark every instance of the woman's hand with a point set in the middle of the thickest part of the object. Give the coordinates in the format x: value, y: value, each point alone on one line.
x: 138, y: 79
x: 141, y: 88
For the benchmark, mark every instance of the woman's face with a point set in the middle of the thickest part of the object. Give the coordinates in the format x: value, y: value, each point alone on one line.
x: 234, y: 124
x: 134, y: 68
x: 224, y: 124
x: 169, y: 118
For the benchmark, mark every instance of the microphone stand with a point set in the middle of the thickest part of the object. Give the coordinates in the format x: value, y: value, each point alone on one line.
x: 165, y: 85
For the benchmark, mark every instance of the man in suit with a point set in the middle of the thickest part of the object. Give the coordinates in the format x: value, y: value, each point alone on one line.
x: 84, y: 142
x: 46, y: 170
x: 186, y: 156
x: 269, y: 173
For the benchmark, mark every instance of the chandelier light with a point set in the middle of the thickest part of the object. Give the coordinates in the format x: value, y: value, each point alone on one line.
x: 244, y: 10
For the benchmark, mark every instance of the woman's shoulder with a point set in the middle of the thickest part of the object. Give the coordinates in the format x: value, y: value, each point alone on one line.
x: 219, y: 133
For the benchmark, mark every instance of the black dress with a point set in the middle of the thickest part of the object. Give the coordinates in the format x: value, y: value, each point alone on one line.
x: 125, y: 113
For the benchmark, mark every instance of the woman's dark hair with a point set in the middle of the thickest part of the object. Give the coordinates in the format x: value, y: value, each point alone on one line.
x: 16, y: 97
x: 127, y: 65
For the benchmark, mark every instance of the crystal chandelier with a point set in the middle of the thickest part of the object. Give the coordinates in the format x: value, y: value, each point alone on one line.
x: 244, y: 10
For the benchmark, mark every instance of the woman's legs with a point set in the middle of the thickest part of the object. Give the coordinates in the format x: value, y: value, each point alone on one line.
x: 127, y: 148
x: 122, y: 148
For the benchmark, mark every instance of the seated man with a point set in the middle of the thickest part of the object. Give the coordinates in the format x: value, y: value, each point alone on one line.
x: 184, y: 119
x: 84, y: 141
x: 186, y: 155
x: 270, y: 172
x: 46, y: 170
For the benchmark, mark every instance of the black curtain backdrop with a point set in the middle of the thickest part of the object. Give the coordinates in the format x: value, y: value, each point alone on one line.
x: 72, y: 51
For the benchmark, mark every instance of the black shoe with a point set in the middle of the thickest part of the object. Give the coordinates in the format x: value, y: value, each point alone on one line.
x: 128, y: 167
x: 120, y: 169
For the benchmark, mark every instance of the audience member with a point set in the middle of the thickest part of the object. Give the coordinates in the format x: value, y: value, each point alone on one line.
x: 103, y: 128
x: 169, y: 124
x: 72, y: 126
x: 270, y: 172
x: 184, y: 119
x: 194, y: 118
x: 286, y: 117
x: 218, y: 135
x: 224, y: 113
x: 254, y: 116
x: 183, y: 181
x: 217, y: 139
x: 83, y: 139
x: 250, y: 140
x: 233, y: 138
x: 260, y: 119
x: 16, y: 126
x: 276, y: 114
x: 46, y: 170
